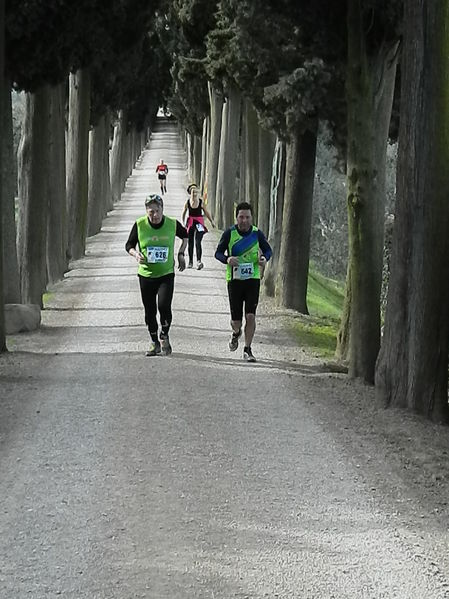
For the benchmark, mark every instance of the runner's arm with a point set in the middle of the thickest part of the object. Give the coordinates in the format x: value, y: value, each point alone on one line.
x: 132, y: 243
x: 208, y: 215
x: 184, y: 212
x: 264, y: 246
x: 181, y: 231
x: 222, y: 247
x: 132, y: 239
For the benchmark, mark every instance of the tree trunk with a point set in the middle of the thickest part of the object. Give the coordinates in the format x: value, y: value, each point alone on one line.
x: 57, y: 232
x: 291, y: 290
x: 369, y: 95
x: 231, y: 156
x: 33, y: 159
x: 241, y: 196
x: 267, y: 140
x: 343, y: 335
x: 125, y: 169
x: 11, y: 280
x: 204, y: 157
x: 412, y: 368
x: 78, y: 161
x: 106, y: 168
x: 216, y: 110
x: 117, y: 154
x: 98, y: 146
x: 189, y: 146
x: 196, y: 170
x: 2, y: 93
x: 220, y: 170
x: 251, y: 144
x: 277, y: 206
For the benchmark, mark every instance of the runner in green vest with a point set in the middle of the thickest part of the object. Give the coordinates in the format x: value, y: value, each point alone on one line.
x: 245, y: 251
x: 151, y: 242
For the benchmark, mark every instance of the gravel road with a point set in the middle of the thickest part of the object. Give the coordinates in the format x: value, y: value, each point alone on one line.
x: 199, y: 475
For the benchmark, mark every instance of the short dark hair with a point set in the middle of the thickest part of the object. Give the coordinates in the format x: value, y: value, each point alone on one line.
x: 243, y: 206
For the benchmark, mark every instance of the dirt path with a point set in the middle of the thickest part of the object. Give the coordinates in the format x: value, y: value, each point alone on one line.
x: 198, y: 475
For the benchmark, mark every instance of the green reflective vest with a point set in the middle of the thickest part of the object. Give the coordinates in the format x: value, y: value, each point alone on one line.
x: 157, y: 246
x: 246, y: 249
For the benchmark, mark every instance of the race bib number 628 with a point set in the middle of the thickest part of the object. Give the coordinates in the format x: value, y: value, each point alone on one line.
x: 157, y: 254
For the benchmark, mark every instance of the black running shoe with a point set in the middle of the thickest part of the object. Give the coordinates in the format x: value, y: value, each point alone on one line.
x: 155, y: 349
x: 234, y: 340
x: 248, y: 355
x: 165, y: 345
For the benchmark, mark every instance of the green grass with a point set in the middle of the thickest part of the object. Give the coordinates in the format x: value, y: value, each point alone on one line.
x: 46, y: 297
x: 318, y: 332
x: 324, y: 296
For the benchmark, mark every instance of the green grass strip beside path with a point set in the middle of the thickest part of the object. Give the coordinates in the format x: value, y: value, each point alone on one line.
x: 318, y: 332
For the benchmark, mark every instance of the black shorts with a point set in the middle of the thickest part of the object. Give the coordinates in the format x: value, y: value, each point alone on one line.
x: 243, y: 292
x: 161, y: 175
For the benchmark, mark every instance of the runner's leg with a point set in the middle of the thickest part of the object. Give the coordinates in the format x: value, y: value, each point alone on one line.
x: 198, y: 244
x: 251, y: 295
x: 148, y: 291
x: 164, y: 301
x: 191, y: 244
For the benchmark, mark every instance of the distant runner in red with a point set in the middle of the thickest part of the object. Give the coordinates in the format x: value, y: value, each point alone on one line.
x: 162, y: 170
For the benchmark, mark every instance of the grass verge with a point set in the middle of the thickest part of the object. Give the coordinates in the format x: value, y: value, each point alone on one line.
x: 318, y: 331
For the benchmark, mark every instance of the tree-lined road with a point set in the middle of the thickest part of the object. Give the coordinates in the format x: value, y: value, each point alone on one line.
x: 198, y: 475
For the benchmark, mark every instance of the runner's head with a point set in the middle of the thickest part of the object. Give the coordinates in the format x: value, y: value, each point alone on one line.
x: 155, y: 207
x: 244, y: 216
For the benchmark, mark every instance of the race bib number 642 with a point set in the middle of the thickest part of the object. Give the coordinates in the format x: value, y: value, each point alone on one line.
x: 244, y: 271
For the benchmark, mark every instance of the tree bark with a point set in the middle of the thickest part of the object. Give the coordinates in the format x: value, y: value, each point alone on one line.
x: 291, y: 289
x: 189, y: 146
x: 57, y: 232
x: 412, y: 368
x: 216, y: 109
x: 106, y: 166
x: 125, y: 162
x: 231, y: 156
x: 117, y: 154
x: 78, y: 161
x: 196, y: 170
x: 220, y: 171
x: 33, y: 162
x: 369, y: 95
x: 98, y: 200
x: 343, y: 335
x: 11, y: 280
x: 251, y: 144
x: 2, y: 92
x: 277, y: 206
x: 267, y: 140
x: 204, y: 157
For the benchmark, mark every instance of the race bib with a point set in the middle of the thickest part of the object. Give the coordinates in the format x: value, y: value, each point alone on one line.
x: 244, y: 271
x: 199, y: 227
x: 157, y: 254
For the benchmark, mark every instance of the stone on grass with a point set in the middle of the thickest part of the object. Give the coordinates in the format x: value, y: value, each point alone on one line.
x: 22, y: 317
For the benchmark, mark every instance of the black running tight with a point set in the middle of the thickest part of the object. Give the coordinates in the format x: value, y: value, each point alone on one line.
x: 157, y: 294
x: 196, y: 237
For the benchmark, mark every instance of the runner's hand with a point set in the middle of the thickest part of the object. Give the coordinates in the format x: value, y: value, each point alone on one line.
x: 233, y: 261
x: 139, y: 257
